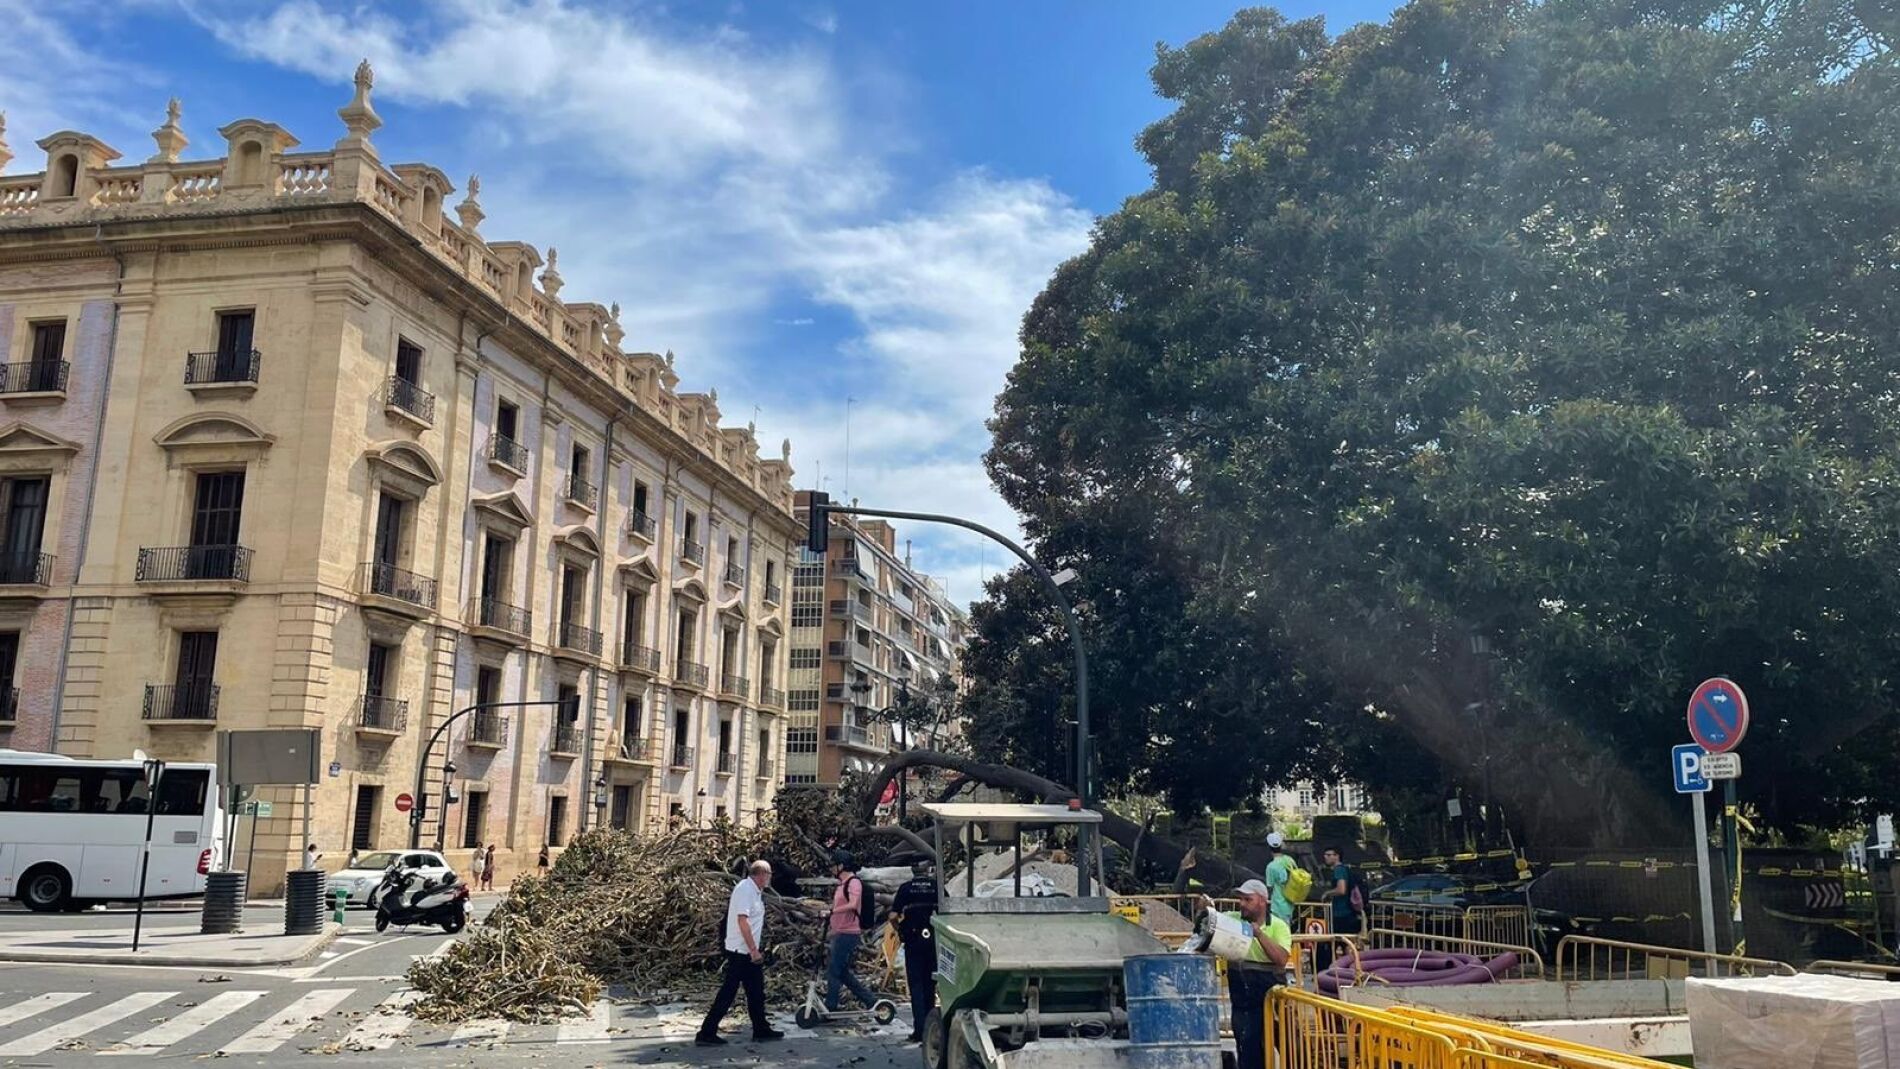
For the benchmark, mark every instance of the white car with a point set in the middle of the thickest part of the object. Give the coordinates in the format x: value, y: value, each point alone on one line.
x: 362, y: 878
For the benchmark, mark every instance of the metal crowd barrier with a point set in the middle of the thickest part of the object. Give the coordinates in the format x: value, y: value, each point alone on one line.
x: 1416, y: 917
x: 1865, y: 970
x: 1515, y: 1044
x: 1530, y: 964
x: 1583, y: 957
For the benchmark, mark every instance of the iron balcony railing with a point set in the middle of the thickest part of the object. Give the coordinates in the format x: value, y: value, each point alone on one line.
x: 767, y: 770
x: 487, y: 728
x: 581, y: 492
x: 26, y: 569
x: 400, y: 393
x: 691, y: 673
x: 379, y: 712
x: 639, y: 658
x: 641, y: 525
x: 223, y: 365
x: 727, y: 762
x: 771, y: 698
x: 682, y: 757
x: 9, y: 705
x: 567, y: 739
x: 389, y: 581
x: 773, y: 594
x: 733, y: 686
x: 169, y: 564
x: 40, y: 376
x: 692, y: 551
x: 181, y: 701
x: 505, y: 450
x: 497, y: 614
x: 580, y: 639
x: 635, y: 748
x: 735, y: 575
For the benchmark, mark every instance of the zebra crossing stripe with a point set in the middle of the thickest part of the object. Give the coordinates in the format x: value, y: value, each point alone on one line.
x: 589, y: 1029
x: 480, y: 1030
x: 187, y: 1024
x: 298, y: 1016
x: 381, y: 1030
x: 73, y: 1027
x: 38, y: 1004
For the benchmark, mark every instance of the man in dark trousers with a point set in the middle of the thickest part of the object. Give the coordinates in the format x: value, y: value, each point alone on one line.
x: 911, y: 910
x: 745, y: 959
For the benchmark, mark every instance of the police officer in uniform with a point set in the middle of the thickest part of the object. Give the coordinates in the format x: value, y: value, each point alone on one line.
x: 911, y: 910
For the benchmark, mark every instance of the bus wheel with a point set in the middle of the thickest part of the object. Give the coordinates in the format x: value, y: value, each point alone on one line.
x: 46, y: 889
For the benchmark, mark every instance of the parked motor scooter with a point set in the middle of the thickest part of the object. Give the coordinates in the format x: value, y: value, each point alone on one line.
x: 406, y: 897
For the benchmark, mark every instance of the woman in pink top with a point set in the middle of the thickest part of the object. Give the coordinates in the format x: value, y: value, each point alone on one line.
x: 846, y: 931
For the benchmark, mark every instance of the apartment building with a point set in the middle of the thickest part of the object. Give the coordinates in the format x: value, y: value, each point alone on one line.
x: 284, y: 443
x: 868, y: 628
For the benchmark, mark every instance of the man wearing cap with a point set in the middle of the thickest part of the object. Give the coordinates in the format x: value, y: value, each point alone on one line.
x: 911, y: 910
x: 846, y: 932
x: 1279, y: 871
x: 1249, y: 982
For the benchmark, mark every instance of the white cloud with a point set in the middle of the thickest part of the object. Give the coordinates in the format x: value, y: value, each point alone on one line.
x: 50, y: 81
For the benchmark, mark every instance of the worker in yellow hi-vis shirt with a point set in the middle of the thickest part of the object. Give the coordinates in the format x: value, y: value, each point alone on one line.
x: 1249, y: 982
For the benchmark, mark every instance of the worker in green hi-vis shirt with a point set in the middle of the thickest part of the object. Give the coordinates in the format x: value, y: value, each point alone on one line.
x: 1249, y: 982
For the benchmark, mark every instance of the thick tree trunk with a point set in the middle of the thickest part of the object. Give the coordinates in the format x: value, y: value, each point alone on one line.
x: 1217, y: 874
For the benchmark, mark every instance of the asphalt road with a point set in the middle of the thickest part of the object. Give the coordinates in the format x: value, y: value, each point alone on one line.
x: 349, y: 1002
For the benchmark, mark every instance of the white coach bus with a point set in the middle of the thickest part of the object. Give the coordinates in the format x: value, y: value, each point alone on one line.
x: 70, y: 830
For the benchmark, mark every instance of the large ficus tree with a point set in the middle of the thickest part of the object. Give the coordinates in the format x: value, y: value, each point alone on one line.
x: 1465, y: 390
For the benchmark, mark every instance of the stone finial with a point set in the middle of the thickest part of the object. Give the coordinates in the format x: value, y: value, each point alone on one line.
x: 713, y: 395
x: 614, y: 332
x: 359, y: 118
x: 551, y: 278
x: 6, y: 154
x: 669, y: 358
x: 470, y: 211
x: 613, y: 311
x: 171, y: 140
x: 785, y: 450
x: 752, y: 428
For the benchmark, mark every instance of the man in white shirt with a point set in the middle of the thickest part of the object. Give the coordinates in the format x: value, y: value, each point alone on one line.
x: 745, y: 959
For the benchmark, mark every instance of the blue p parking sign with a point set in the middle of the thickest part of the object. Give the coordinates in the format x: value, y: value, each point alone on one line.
x: 1686, y: 760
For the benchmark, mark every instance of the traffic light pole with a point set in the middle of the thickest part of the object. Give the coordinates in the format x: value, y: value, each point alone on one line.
x: 821, y: 505
x: 422, y: 762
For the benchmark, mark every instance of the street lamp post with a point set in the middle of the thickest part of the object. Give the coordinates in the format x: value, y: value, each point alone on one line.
x: 422, y: 759
x: 449, y: 798
x: 154, y: 770
x: 600, y: 800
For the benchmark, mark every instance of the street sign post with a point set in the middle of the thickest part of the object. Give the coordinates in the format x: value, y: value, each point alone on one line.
x: 1686, y: 763
x: 404, y: 802
x: 1718, y: 720
x: 1722, y: 766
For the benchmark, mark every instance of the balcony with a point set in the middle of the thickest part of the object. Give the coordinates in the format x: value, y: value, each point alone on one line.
x: 571, y: 637
x: 405, y: 400
x: 498, y: 620
x: 182, y: 703
x: 9, y: 706
x: 766, y: 772
x: 691, y: 673
x: 26, y: 569
x: 773, y: 594
x: 580, y: 493
x: 731, y: 686
x: 509, y: 455
x: 642, y: 659
x: 399, y: 589
x: 223, y: 371
x: 682, y: 758
x: 771, y: 698
x: 837, y: 651
x: 487, y: 730
x: 641, y: 525
x: 380, y: 716
x: 632, y: 750
x: 735, y: 576
x: 220, y: 567
x: 38, y: 381
x: 728, y: 763
x: 692, y: 552
x: 566, y: 741
x: 850, y: 735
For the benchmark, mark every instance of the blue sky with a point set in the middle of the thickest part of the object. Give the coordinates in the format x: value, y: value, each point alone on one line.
x: 817, y: 205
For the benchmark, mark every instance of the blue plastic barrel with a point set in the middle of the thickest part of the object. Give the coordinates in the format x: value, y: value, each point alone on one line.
x: 1173, y: 1011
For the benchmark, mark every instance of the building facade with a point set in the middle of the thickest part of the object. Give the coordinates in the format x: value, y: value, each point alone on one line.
x: 283, y: 444
x: 867, y: 628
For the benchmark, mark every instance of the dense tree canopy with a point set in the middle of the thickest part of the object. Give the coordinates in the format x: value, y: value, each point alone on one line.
x: 1569, y: 327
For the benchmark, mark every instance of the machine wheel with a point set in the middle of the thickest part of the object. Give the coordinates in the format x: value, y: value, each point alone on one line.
x: 455, y: 924
x: 934, y: 1038
x: 957, y: 1052
x: 382, y: 923
x: 806, y: 1017
x: 46, y: 889
x: 884, y: 1012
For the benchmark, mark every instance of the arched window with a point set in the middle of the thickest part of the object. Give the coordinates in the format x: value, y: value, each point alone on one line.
x: 250, y: 163
x: 66, y: 176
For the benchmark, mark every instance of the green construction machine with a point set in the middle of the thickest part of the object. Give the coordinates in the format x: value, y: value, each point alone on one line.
x: 1025, y: 981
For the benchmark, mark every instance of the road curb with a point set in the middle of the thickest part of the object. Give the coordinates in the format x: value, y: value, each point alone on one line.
x: 55, y: 957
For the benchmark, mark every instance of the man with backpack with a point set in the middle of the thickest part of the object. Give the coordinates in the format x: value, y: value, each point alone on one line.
x: 1289, y: 882
x: 853, y: 912
x: 1347, y: 891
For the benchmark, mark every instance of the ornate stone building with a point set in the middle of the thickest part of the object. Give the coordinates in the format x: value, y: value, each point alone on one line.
x: 284, y: 443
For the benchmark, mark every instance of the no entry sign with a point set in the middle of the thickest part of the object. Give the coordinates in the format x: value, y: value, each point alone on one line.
x: 404, y: 802
x: 1718, y: 715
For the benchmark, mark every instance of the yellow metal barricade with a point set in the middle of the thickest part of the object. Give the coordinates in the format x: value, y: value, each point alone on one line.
x: 1582, y: 957
x: 1305, y: 951
x: 1530, y: 964
x: 1515, y: 1043
x: 1314, y: 1032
